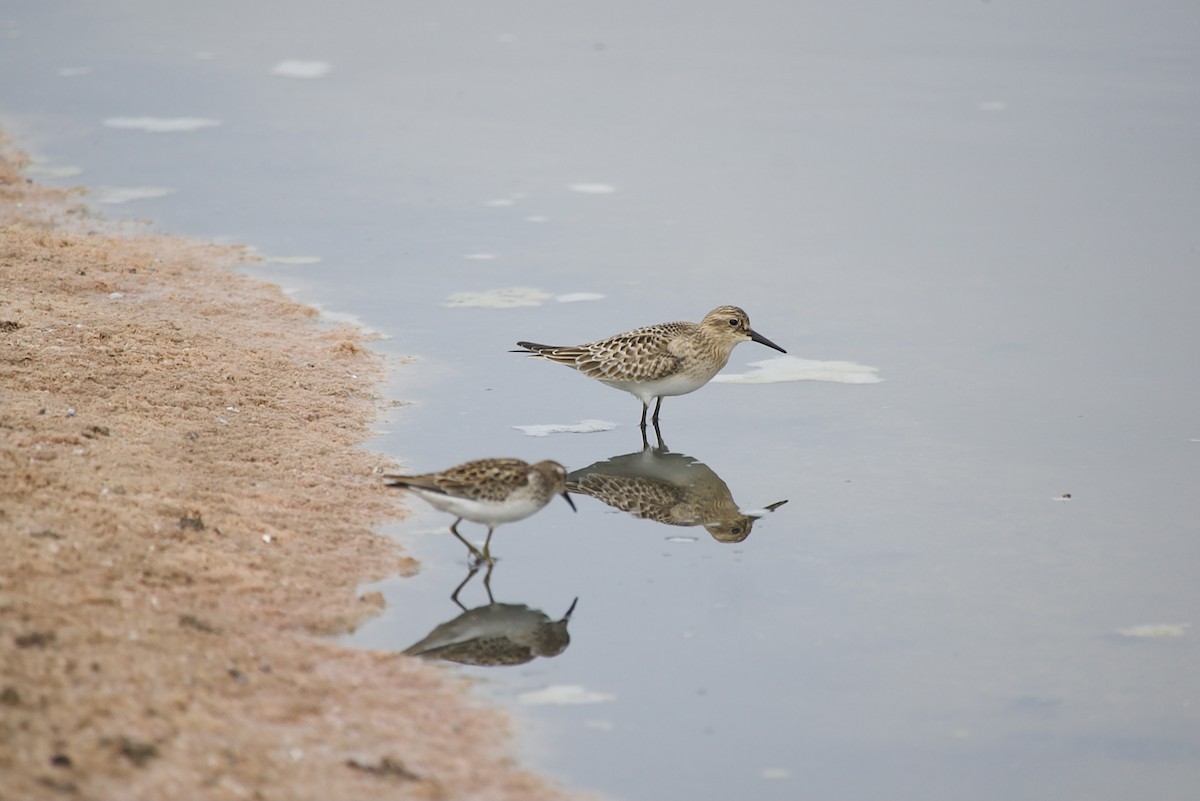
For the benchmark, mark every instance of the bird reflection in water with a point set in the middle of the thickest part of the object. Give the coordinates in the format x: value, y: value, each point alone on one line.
x: 494, y: 634
x: 671, y: 488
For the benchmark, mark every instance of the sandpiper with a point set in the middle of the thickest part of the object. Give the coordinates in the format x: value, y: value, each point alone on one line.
x: 658, y: 360
x: 488, y: 491
x: 671, y: 488
x: 495, y: 634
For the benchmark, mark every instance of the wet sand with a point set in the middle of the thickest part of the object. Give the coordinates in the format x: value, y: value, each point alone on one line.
x: 184, y: 513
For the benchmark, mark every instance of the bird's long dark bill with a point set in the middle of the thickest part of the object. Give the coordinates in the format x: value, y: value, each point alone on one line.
x: 760, y: 339
x: 567, y: 498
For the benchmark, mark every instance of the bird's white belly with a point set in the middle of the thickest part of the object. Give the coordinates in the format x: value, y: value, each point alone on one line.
x: 646, y: 391
x: 489, y: 512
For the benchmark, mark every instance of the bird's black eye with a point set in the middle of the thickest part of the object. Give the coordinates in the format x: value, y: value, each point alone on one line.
x: 733, y: 321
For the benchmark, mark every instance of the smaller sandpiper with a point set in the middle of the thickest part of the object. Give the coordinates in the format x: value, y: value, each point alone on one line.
x: 488, y: 491
x: 658, y: 360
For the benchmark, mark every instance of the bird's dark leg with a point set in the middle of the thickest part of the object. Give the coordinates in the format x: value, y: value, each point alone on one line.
x: 657, y: 406
x: 645, y: 408
x: 474, y: 551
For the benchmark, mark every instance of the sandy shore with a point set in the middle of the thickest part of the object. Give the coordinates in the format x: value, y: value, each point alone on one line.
x: 184, y: 512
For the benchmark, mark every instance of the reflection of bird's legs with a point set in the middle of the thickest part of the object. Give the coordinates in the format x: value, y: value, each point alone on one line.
x: 657, y: 406
x: 487, y: 553
x: 474, y: 551
x: 470, y: 575
x: 662, y: 446
x: 487, y: 583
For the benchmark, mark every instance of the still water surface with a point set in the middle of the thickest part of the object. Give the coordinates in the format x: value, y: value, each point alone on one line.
x: 984, y: 213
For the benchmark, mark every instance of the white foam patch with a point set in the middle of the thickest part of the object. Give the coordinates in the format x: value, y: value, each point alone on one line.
x: 776, y: 774
x: 992, y: 105
x: 582, y: 427
x: 52, y: 171
x: 507, y: 298
x: 537, y: 218
x: 74, y: 72
x: 792, y: 368
x: 161, y: 124
x: 1156, y: 630
x: 500, y: 201
x: 593, y: 189
x: 480, y: 256
x: 565, y: 694
x: 292, y: 260
x: 576, y: 297
x: 296, y: 68
x: 114, y: 195
x: 430, y: 532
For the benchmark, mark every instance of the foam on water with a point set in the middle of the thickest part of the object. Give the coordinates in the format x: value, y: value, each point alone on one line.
x: 792, y: 368
x: 576, y: 297
x: 1156, y: 630
x: 505, y: 298
x: 52, y: 171
x: 582, y: 427
x: 292, y: 260
x: 592, y: 189
x: 296, y: 68
x: 161, y: 124
x: 564, y: 694
x: 114, y: 195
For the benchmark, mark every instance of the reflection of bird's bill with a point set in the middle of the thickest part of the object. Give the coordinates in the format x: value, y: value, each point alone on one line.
x: 567, y: 616
x: 757, y: 513
x: 760, y: 339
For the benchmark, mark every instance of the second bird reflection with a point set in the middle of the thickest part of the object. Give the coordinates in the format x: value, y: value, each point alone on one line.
x: 494, y: 634
x: 671, y: 488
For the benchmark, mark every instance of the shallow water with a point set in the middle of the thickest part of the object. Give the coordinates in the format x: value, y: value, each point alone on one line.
x: 985, y: 213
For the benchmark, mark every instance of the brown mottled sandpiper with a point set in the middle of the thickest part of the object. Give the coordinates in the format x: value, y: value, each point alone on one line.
x: 488, y: 491
x: 495, y: 634
x: 658, y: 360
x: 670, y: 488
